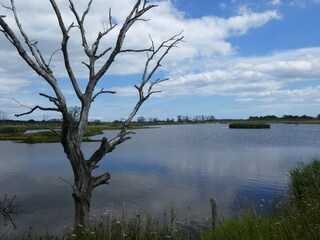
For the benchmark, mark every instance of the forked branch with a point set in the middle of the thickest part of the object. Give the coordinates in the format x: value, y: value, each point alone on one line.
x: 137, y: 11
x: 32, y: 45
x: 64, y: 47
x: 101, y: 92
x: 123, y: 135
x: 32, y: 109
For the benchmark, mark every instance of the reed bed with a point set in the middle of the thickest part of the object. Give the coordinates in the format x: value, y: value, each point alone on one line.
x: 297, y: 218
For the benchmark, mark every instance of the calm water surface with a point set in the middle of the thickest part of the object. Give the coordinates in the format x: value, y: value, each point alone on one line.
x: 181, y: 166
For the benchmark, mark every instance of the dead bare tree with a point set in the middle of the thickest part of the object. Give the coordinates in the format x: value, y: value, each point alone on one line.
x: 72, y: 133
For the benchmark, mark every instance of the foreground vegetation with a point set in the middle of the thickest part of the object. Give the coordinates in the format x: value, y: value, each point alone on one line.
x: 296, y: 217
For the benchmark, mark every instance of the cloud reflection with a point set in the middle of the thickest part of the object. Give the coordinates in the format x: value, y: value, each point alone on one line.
x: 183, y: 167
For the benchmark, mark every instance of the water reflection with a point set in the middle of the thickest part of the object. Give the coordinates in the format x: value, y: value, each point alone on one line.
x: 183, y: 166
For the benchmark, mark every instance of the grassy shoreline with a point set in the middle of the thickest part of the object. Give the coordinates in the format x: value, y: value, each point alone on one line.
x: 296, y: 218
x: 17, y: 132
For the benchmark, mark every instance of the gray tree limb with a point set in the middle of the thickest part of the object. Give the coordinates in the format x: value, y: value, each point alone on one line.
x: 72, y: 130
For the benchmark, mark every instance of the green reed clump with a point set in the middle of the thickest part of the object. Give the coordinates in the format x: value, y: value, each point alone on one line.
x: 12, y: 129
x: 304, y: 183
x: 276, y: 226
x: 299, y: 218
x: 249, y: 125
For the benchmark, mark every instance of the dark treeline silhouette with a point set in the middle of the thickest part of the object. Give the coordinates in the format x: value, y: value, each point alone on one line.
x: 197, y: 118
x: 285, y: 117
x: 179, y: 119
x: 30, y: 121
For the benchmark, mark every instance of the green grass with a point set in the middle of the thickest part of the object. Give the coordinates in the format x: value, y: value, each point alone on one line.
x: 17, y: 133
x: 304, y: 183
x: 298, y: 218
x: 12, y: 129
x: 291, y: 225
x: 135, y: 227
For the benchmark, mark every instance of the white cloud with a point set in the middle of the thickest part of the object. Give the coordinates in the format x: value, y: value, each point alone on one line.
x: 302, y: 3
x: 204, y: 36
x: 276, y: 2
x: 266, y: 76
x: 223, y: 5
x: 241, y: 24
x: 297, y: 3
x: 12, y: 85
x: 206, y: 43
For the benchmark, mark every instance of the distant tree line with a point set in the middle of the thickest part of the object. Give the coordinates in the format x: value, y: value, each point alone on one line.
x: 4, y: 119
x: 286, y: 117
x: 179, y: 119
x: 196, y: 118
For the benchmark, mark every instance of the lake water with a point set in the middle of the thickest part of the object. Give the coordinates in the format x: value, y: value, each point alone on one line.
x: 182, y: 166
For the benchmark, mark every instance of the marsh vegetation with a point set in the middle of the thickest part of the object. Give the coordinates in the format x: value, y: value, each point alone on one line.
x: 249, y: 125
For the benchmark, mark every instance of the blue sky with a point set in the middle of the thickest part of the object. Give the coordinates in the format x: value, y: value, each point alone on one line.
x: 240, y: 58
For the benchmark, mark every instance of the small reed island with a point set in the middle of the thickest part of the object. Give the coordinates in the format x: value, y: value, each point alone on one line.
x: 249, y: 125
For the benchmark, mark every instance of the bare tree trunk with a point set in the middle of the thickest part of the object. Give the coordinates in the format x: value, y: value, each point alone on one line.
x: 82, y: 209
x: 73, y: 125
x: 83, y: 185
x: 82, y: 198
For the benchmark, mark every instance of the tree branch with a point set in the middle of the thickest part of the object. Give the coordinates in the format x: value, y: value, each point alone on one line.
x: 14, y: 40
x: 102, y: 179
x: 32, y: 109
x: 173, y: 42
x: 86, y: 64
x: 32, y: 46
x: 137, y: 50
x: 146, y: 77
x: 150, y: 91
x: 38, y: 65
x: 103, y: 53
x: 81, y: 26
x: 66, y: 181
x: 64, y: 48
x: 55, y: 132
x: 96, y: 44
x: 101, y: 92
x: 35, y: 108
x: 52, y: 56
x: 108, y: 146
x: 100, y: 153
x: 51, y: 99
x: 135, y: 13
x: 72, y: 128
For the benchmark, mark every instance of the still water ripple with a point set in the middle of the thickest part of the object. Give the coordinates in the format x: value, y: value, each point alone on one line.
x: 182, y: 166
